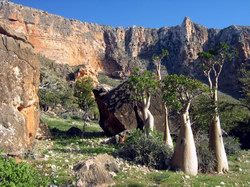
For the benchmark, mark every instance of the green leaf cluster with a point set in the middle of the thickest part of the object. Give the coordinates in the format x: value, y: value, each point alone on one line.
x: 14, y: 174
x: 217, y: 56
x: 164, y: 53
x: 178, y: 90
x: 142, y: 84
x: 83, y: 92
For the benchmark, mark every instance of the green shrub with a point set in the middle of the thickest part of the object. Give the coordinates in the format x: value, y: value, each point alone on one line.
x: 105, y: 79
x: 206, y: 159
x: 232, y: 145
x: 19, y: 174
x: 231, y: 112
x: 149, y: 151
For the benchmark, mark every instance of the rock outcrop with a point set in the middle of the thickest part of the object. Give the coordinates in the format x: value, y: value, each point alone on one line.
x: 117, y: 112
x: 103, y: 48
x: 19, y: 81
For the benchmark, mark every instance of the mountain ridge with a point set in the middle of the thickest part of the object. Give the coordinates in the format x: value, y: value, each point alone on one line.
x: 100, y: 48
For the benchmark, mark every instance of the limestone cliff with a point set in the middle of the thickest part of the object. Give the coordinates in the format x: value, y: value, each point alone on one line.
x: 19, y: 81
x: 107, y: 49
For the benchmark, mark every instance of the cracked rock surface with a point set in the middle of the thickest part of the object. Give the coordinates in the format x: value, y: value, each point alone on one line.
x: 19, y: 81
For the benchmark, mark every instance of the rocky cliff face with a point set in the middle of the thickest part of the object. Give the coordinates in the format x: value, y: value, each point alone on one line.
x: 19, y: 81
x: 102, y: 48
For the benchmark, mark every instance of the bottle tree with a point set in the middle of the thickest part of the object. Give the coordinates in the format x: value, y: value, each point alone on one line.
x: 142, y: 85
x: 179, y: 91
x: 212, y: 64
x: 157, y: 59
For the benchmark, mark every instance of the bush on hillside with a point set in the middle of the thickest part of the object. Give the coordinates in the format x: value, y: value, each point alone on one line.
x: 232, y: 145
x: 19, y: 174
x: 148, y: 151
x: 206, y: 160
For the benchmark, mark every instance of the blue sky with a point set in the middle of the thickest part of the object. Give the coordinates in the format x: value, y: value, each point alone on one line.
x: 149, y: 13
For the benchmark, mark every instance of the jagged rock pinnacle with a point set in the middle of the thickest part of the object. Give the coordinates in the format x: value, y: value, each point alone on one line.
x: 186, y: 21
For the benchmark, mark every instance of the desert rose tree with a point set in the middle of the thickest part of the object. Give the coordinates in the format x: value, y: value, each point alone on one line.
x: 157, y: 59
x: 179, y: 91
x: 142, y: 85
x: 212, y: 64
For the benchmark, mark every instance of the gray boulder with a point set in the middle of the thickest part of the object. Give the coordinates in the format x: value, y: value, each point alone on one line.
x: 96, y: 171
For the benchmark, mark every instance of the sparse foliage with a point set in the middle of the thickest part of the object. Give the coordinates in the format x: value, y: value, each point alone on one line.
x: 157, y: 59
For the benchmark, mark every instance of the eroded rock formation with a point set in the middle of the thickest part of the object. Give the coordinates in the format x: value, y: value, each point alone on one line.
x: 19, y: 81
x: 107, y: 49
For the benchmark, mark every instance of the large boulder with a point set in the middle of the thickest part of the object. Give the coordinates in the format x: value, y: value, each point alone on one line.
x: 96, y: 171
x: 117, y: 112
x: 19, y: 82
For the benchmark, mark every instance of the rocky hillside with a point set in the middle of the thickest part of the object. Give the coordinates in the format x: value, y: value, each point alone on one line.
x: 112, y: 50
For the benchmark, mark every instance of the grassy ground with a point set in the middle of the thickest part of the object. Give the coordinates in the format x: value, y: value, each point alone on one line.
x: 56, y: 158
x: 239, y: 175
x: 66, y: 124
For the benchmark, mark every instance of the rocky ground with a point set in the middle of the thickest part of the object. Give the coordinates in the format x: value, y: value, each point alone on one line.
x: 57, y: 157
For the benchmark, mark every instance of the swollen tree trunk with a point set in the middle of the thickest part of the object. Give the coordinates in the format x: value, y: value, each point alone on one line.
x: 215, y: 139
x: 147, y: 116
x: 167, y: 139
x: 185, y: 157
x: 167, y: 136
x: 158, y: 70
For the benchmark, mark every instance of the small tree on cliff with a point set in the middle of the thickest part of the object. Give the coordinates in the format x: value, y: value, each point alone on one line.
x: 83, y: 91
x: 212, y: 64
x: 179, y: 91
x: 143, y: 85
x: 157, y: 59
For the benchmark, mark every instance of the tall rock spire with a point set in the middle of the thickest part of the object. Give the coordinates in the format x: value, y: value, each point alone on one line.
x: 187, y: 26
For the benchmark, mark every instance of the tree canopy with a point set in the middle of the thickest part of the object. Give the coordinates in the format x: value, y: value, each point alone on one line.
x: 142, y: 84
x: 179, y: 89
x: 83, y: 91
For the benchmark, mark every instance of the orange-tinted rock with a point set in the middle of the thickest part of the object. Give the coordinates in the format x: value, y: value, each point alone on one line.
x: 65, y: 41
x: 103, y: 48
x: 19, y: 81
